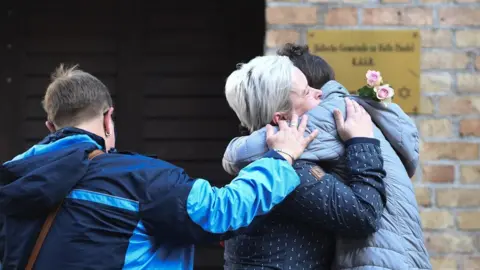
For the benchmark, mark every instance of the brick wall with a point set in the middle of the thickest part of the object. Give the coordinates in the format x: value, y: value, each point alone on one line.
x: 448, y: 181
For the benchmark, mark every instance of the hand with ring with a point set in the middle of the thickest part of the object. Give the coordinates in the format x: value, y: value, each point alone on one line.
x: 357, y: 123
x: 290, y: 141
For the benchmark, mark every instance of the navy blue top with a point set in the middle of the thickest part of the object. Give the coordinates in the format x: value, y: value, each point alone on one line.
x: 123, y: 210
x: 300, y: 232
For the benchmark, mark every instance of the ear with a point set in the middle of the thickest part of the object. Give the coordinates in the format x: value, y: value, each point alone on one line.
x: 107, y: 121
x: 278, y: 116
x: 50, y: 126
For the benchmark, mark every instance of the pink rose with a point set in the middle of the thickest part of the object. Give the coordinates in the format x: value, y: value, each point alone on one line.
x: 374, y: 78
x: 384, y: 92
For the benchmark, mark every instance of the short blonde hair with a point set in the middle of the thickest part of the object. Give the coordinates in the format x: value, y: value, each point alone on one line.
x: 259, y: 88
x: 74, y: 96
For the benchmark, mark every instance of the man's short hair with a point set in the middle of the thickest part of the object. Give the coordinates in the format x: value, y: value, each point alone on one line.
x: 75, y: 96
x: 259, y: 88
x: 317, y: 71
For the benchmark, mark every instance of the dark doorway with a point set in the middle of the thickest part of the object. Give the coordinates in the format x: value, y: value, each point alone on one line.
x: 165, y: 63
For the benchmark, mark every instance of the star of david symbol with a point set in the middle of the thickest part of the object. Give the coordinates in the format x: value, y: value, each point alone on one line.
x: 404, y: 92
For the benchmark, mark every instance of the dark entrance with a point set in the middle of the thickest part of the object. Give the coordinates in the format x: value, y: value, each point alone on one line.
x: 164, y: 61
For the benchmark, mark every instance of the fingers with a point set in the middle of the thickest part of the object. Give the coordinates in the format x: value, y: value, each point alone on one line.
x: 356, y: 106
x: 350, y: 108
x: 312, y: 136
x: 294, y: 121
x: 339, y: 121
x: 303, y: 125
x: 282, y: 124
x: 362, y: 111
x: 269, y: 131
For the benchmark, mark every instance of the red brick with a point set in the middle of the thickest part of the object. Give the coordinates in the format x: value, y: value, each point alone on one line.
x: 438, y: 173
x: 276, y: 38
x: 398, y: 16
x: 292, y: 15
x: 458, y: 16
x: 436, y: 38
x: 469, y: 221
x: 436, y: 82
x: 423, y: 196
x: 448, y: 60
x: 470, y: 174
x: 434, y: 220
x: 438, y: 128
x: 426, y: 105
x: 449, y: 105
x: 467, y: 38
x: 443, y: 263
x: 449, y: 150
x: 457, y: 197
x: 468, y: 82
x: 470, y: 127
x: 449, y: 243
x: 341, y: 16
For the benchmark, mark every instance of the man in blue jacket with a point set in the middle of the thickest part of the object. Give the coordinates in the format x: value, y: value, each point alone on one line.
x: 122, y: 210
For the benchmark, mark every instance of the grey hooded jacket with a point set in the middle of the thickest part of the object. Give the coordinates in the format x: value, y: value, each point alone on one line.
x: 398, y: 244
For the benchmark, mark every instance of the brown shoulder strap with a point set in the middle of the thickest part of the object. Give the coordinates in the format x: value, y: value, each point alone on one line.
x: 48, y: 223
x: 95, y: 153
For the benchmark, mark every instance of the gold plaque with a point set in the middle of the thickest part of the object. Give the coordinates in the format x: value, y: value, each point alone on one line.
x: 351, y: 53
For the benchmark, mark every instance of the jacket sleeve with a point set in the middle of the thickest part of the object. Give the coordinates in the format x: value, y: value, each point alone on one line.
x: 327, y: 145
x: 351, y: 208
x: 243, y: 150
x: 191, y: 211
x: 399, y: 129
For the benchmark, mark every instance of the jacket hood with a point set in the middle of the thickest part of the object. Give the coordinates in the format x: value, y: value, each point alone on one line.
x: 397, y: 127
x: 37, y: 180
x: 333, y: 87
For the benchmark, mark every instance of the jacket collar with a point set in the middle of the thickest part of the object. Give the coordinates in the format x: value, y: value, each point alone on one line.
x: 69, y: 131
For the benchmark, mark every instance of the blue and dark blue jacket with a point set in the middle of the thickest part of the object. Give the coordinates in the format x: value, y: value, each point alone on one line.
x: 123, y: 210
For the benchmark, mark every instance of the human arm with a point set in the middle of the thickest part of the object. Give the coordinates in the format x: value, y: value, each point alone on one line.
x: 352, y: 207
x: 398, y: 128
x: 190, y: 211
x: 243, y: 150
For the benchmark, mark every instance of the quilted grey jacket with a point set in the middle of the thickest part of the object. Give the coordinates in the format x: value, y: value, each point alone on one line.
x: 398, y: 244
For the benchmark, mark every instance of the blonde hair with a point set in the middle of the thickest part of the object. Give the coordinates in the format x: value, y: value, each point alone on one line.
x: 259, y: 88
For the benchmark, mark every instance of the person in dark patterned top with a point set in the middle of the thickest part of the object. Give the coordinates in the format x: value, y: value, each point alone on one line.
x: 300, y: 232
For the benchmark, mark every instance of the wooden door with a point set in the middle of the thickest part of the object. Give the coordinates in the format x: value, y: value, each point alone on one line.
x: 165, y: 63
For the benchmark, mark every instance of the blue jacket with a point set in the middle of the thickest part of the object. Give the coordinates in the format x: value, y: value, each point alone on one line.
x: 123, y: 210
x: 399, y: 243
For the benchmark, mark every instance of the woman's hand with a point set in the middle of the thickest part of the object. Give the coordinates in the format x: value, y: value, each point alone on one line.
x: 289, y: 141
x: 357, y: 124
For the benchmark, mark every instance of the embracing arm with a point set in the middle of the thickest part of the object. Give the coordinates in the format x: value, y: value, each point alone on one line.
x: 399, y: 129
x: 243, y: 150
x: 354, y: 207
x: 192, y: 211
x: 181, y: 210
